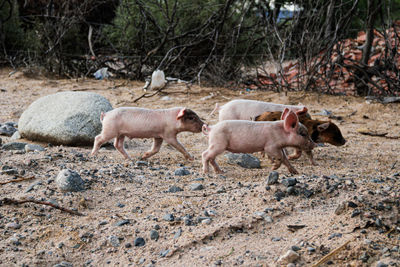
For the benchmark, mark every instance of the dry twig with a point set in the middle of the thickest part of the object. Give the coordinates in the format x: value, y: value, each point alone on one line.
x: 146, y: 95
x: 17, y: 180
x: 10, y: 201
x: 335, y: 251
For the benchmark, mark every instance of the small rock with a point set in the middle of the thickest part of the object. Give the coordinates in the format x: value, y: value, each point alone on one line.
x: 221, y: 190
x: 188, y: 221
x: 15, y: 136
x: 291, y: 190
x: 7, y: 130
x: 120, y: 205
x: 32, y: 186
x: 340, y: 208
x: 355, y: 213
x: 178, y: 233
x: 122, y: 222
x: 14, y: 240
x: 14, y: 146
x: 272, y: 178
x: 196, y: 187
x: 139, y: 242
x: 307, y: 193
x: 351, y: 204
x: 381, y: 264
x: 13, y: 225
x: 114, y: 241
x: 128, y: 245
x: 289, y: 257
x: 8, y: 170
x: 182, y: 171
x: 325, y: 112
x: 289, y: 182
x: 243, y: 160
x: 174, y: 189
x: 279, y: 195
x: 141, y: 163
x: 310, y: 249
x: 169, y: 217
x: 218, y: 262
x: 164, y: 253
x: 295, y: 248
x: 33, y: 147
x: 63, y: 264
x: 154, y: 235
x: 206, y: 221
x: 334, y: 235
x: 70, y: 181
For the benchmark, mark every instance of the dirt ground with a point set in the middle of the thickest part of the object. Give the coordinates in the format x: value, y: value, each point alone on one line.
x: 345, y: 209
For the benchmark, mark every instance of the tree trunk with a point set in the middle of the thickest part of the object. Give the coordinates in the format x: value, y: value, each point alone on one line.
x: 372, y: 12
x: 329, y: 18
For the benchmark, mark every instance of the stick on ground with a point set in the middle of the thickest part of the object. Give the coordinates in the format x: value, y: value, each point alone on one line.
x: 325, y: 258
x: 18, y: 180
x: 10, y: 201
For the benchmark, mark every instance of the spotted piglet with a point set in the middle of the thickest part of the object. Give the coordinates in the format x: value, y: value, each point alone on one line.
x: 159, y: 124
x: 240, y: 136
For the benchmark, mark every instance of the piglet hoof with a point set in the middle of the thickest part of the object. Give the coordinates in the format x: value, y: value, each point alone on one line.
x: 146, y: 155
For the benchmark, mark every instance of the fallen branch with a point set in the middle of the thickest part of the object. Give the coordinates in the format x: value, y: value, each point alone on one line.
x: 325, y: 258
x: 18, y: 180
x: 373, y: 133
x: 370, y: 133
x: 146, y: 95
x: 10, y: 201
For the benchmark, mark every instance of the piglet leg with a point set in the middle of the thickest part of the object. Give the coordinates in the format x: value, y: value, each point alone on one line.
x: 119, y: 145
x: 279, y: 157
x: 175, y: 143
x: 154, y: 148
x: 310, y: 156
x: 209, y: 156
x: 217, y: 169
x: 291, y: 169
x: 98, y: 141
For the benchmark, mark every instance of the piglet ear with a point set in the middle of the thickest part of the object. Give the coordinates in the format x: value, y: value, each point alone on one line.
x: 291, y: 122
x: 302, y: 111
x: 323, y: 127
x: 181, y: 113
x: 284, y: 113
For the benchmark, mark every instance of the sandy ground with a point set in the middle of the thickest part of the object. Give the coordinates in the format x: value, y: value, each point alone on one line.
x: 236, y: 219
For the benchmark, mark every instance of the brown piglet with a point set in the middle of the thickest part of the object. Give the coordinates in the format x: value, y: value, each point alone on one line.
x: 159, y: 124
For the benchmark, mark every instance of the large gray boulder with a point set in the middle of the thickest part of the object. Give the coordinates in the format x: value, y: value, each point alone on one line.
x: 66, y: 118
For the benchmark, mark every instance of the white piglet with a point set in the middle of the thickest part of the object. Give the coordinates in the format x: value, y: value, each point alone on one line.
x: 244, y: 109
x: 240, y: 136
x: 160, y: 124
